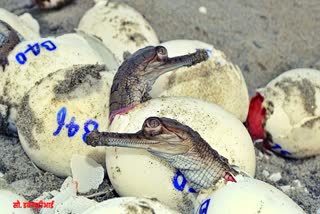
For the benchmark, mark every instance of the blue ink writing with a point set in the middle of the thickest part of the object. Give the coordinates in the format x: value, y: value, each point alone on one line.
x: 49, y: 45
x: 35, y: 49
x: 279, y: 148
x: 61, y: 118
x: 87, y: 130
x: 72, y: 127
x: 180, y: 182
x: 204, y: 207
x: 21, y: 58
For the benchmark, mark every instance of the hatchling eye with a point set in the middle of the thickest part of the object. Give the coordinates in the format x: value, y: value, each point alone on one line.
x: 153, y: 123
x: 162, y: 51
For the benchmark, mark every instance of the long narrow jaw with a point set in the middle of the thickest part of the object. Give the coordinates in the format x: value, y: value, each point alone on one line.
x: 167, y: 144
x: 157, y: 68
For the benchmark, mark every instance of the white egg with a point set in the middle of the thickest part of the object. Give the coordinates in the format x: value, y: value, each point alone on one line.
x: 216, y: 80
x: 25, y: 24
x: 129, y: 205
x: 59, y: 111
x: 33, y: 60
x: 13, y: 203
x: 248, y: 196
x: 136, y: 172
x: 120, y: 27
x: 292, y: 120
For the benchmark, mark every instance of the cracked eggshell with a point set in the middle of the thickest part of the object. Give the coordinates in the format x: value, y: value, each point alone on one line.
x: 129, y: 205
x: 74, y: 205
x: 71, y: 49
x: 216, y: 80
x: 25, y: 24
x: 292, y: 101
x: 120, y: 27
x: 138, y: 173
x: 86, y: 172
x: 8, y: 198
x: 249, y: 196
x: 58, y: 112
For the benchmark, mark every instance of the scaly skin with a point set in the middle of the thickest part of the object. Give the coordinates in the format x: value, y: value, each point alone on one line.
x: 9, y: 38
x: 137, y: 74
x: 177, y: 144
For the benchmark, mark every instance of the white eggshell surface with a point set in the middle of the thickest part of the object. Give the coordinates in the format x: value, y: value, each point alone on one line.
x: 129, y: 205
x: 25, y: 24
x: 249, y: 196
x: 75, y: 205
x: 120, y: 27
x: 6, y: 206
x: 58, y: 112
x: 216, y: 80
x: 293, y: 119
x: 135, y: 172
x: 86, y: 172
x: 51, y: 54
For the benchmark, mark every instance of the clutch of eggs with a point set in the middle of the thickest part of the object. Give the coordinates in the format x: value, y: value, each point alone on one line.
x: 134, y: 172
x: 129, y: 205
x: 32, y: 60
x: 25, y: 24
x: 248, y: 195
x: 286, y: 114
x: 216, y: 80
x: 120, y: 27
x: 59, y: 111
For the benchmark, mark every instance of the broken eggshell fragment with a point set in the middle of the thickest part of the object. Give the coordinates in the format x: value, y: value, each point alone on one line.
x: 216, y: 80
x: 139, y: 173
x: 86, y: 172
x: 33, y: 60
x: 249, y: 195
x: 120, y: 27
x: 286, y: 115
x: 59, y: 111
x: 25, y: 24
x: 129, y: 205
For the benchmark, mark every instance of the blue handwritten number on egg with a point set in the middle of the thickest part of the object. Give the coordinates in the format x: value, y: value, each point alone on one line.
x: 87, y: 130
x: 34, y: 48
x: 49, y: 45
x: 179, y: 181
x: 21, y: 58
x: 61, y: 118
x: 204, y: 207
x: 279, y: 148
x: 72, y: 127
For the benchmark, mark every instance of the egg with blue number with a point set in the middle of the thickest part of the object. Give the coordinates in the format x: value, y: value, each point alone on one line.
x: 134, y: 172
x: 120, y: 27
x: 216, y: 80
x: 248, y: 195
x: 33, y: 60
x: 59, y: 111
x: 285, y: 114
x: 25, y: 24
x: 130, y: 205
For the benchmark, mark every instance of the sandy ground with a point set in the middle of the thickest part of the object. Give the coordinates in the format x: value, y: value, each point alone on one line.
x: 265, y: 38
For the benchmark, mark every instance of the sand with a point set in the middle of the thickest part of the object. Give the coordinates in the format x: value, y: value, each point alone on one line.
x: 264, y: 38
